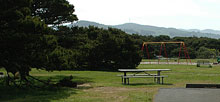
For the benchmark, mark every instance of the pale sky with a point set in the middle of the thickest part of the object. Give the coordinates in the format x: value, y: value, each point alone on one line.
x: 185, y: 14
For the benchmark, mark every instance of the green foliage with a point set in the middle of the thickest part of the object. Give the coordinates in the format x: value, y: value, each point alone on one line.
x: 100, y: 49
x: 53, y: 11
x: 61, y: 59
x: 19, y: 31
x: 116, y: 50
x: 206, y: 53
x: 26, y: 40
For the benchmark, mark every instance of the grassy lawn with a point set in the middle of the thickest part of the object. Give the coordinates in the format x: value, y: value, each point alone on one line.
x: 100, y: 86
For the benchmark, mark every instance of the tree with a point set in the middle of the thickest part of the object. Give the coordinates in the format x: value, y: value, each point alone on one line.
x: 206, y: 53
x: 162, y: 38
x: 18, y: 31
x: 100, y: 49
x: 115, y: 49
x: 25, y: 39
x: 53, y: 11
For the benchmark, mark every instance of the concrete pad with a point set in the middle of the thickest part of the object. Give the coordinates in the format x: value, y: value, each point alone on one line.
x: 187, y: 95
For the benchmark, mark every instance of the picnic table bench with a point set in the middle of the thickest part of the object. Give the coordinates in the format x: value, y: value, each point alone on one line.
x: 125, y: 77
x: 204, y: 62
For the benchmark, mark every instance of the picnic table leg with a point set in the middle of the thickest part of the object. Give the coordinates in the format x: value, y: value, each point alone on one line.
x: 124, y: 78
x: 128, y: 81
x: 158, y: 79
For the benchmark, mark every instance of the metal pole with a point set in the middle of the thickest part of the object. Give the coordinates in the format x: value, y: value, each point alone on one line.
x: 185, y: 52
x: 142, y: 47
x: 125, y: 78
x: 160, y: 53
x: 158, y: 79
x: 165, y: 52
x: 148, y: 55
x: 179, y: 53
x: 188, y: 54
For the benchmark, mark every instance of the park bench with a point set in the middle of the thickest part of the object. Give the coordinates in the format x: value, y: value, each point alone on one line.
x: 204, y: 62
x: 138, y: 76
x: 146, y: 74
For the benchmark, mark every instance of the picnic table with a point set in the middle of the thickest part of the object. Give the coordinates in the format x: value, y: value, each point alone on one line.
x: 136, y: 74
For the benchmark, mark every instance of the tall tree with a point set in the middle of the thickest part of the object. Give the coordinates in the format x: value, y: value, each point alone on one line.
x: 25, y: 39
x: 53, y: 11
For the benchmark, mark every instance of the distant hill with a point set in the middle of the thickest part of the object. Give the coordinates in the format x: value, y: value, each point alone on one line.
x: 205, y: 31
x: 153, y: 30
x: 83, y: 23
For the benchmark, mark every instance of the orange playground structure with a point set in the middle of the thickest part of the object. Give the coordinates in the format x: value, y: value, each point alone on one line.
x: 163, y: 45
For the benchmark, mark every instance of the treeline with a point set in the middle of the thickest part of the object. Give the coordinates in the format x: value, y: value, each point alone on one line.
x: 94, y: 48
x: 202, y: 47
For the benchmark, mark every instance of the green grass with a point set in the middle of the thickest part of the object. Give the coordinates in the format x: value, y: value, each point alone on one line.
x: 99, y: 86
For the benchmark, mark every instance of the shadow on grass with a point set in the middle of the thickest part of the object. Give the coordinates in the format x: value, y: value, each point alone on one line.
x: 205, y: 66
x: 82, y: 82
x: 139, y: 84
x: 14, y: 94
x: 78, y: 80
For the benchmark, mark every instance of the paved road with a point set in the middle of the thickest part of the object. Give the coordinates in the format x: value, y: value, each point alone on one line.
x: 188, y: 95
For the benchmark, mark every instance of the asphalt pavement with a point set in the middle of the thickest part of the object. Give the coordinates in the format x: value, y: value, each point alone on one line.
x: 188, y: 95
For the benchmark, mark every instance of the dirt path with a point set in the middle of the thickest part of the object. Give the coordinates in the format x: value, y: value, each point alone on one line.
x: 119, y: 94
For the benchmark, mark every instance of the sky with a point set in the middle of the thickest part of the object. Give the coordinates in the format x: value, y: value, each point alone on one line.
x: 181, y: 14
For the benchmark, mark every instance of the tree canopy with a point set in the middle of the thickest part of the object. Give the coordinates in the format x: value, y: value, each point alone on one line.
x: 26, y: 41
x: 100, y: 49
x: 53, y: 12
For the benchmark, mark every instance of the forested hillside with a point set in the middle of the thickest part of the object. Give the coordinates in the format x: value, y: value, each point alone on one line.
x: 133, y: 28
